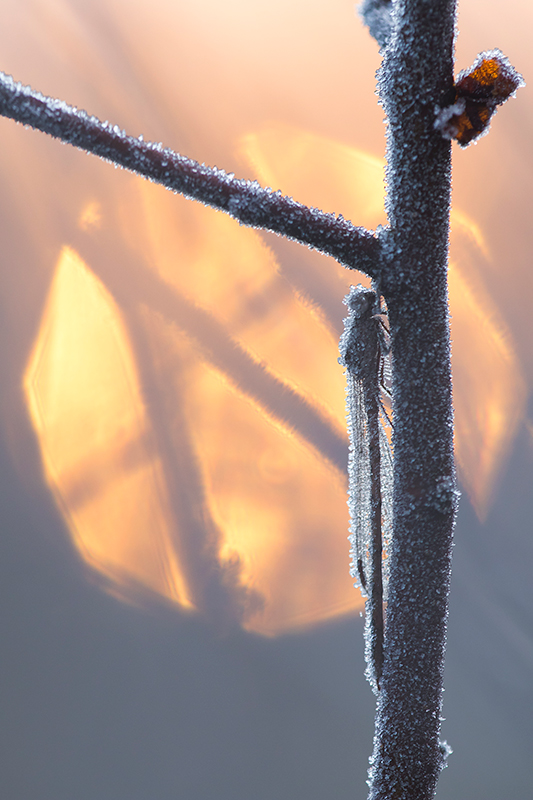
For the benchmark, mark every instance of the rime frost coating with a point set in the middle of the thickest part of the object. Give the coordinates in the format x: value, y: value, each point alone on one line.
x: 416, y: 71
x: 370, y: 483
x: 377, y: 15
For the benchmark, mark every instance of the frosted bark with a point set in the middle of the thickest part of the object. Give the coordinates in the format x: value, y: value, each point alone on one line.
x: 417, y: 70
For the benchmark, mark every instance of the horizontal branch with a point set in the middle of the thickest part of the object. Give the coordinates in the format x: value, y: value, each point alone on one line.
x: 245, y: 201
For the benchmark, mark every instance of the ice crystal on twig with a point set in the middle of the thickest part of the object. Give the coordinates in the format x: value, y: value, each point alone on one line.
x: 377, y: 16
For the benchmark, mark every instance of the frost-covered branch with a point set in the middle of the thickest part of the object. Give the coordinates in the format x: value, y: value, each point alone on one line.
x: 245, y: 201
x: 417, y: 71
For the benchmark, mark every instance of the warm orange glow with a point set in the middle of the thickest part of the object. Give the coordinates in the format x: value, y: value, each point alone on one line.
x: 84, y: 401
x: 469, y: 228
x: 277, y: 504
x: 319, y: 172
x: 489, y: 391
x: 228, y: 271
x: 90, y: 217
x: 282, y: 510
x: 244, y: 364
x: 270, y: 495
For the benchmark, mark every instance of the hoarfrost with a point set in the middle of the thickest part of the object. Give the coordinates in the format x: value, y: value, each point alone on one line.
x: 376, y: 14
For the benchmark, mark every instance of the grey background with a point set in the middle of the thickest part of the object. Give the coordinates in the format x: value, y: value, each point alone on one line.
x: 104, y: 701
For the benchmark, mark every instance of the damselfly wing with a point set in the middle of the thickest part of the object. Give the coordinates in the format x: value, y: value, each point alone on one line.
x: 364, y: 350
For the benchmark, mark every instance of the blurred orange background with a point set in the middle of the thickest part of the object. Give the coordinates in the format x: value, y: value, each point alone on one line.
x: 173, y: 377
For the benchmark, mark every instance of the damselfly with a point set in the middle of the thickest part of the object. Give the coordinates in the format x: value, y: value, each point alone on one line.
x: 364, y: 349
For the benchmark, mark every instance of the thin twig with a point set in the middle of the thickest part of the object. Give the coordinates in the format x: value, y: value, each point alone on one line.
x: 245, y: 201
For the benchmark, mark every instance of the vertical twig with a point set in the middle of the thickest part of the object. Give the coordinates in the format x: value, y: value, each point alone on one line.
x: 417, y: 71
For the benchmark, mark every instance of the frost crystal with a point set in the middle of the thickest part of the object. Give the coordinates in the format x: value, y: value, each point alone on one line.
x: 376, y: 14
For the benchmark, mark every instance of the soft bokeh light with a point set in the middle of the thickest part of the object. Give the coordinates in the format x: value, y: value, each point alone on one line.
x: 87, y: 409
x: 180, y: 371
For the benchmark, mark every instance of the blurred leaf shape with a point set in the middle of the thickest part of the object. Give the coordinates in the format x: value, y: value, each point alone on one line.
x: 82, y: 391
x: 280, y: 507
x: 198, y: 448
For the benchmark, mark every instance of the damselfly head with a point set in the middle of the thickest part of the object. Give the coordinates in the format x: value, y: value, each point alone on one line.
x: 360, y: 301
